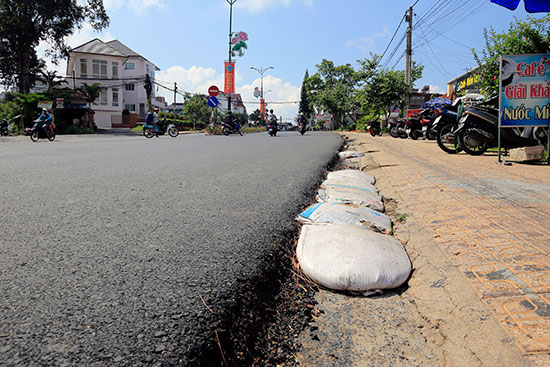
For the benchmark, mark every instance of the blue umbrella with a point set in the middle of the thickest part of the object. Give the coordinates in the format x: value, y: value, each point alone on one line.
x: 436, y: 102
x: 531, y: 6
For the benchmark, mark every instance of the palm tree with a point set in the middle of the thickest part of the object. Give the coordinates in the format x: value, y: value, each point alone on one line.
x: 91, y: 91
x: 51, y: 79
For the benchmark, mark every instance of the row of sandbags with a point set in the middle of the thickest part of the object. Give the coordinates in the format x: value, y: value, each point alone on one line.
x: 346, y: 241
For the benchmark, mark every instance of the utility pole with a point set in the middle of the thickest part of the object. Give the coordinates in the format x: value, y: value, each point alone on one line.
x: 408, y: 54
x: 230, y: 2
x: 175, y: 90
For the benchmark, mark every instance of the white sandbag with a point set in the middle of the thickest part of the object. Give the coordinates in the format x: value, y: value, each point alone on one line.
x: 347, y: 182
x: 357, y: 175
x: 350, y: 154
x: 345, y: 257
x: 348, y: 195
x: 342, y: 213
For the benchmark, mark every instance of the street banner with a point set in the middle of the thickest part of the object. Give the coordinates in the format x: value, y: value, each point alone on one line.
x: 524, y: 90
x: 229, y: 87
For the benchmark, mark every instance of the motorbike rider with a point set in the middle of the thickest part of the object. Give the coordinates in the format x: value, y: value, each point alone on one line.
x: 229, y: 120
x: 157, y: 124
x: 44, y: 121
x: 273, y: 119
x: 302, y: 121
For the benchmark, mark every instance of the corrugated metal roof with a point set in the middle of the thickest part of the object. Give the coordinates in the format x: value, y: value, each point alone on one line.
x: 97, y: 46
x: 122, y: 48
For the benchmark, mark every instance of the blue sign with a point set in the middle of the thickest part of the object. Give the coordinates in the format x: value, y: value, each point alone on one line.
x: 213, y: 102
x: 525, y: 90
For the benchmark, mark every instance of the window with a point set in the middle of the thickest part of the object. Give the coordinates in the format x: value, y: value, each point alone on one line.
x: 115, y: 97
x: 130, y: 107
x: 84, y: 68
x: 142, y: 108
x: 129, y: 86
x: 99, y: 69
x: 129, y: 66
x: 146, y: 68
x: 115, y: 70
x: 103, y: 97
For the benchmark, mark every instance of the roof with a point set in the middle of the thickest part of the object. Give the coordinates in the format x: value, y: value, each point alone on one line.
x: 453, y: 81
x: 97, y: 46
x: 111, y: 48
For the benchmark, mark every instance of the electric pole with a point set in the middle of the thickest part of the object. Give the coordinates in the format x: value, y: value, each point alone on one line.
x: 408, y: 59
x: 175, y: 90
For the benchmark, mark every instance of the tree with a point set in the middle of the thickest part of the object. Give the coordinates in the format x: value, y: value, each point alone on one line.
x: 256, y: 117
x: 25, y: 23
x: 148, y: 90
x: 305, y: 107
x: 529, y: 36
x: 332, y: 89
x: 91, y: 91
x: 195, y: 107
x: 51, y: 79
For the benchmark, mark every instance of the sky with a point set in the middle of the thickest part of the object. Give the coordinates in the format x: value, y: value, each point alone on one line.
x: 188, y: 40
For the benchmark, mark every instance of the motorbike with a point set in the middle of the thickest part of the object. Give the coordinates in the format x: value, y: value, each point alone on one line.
x: 477, y: 131
x: 4, y: 128
x: 420, y: 125
x: 41, y: 131
x: 302, y: 128
x: 444, y: 125
x: 393, y: 127
x: 228, y: 130
x: 272, y: 129
x: 149, y: 130
x: 374, y: 127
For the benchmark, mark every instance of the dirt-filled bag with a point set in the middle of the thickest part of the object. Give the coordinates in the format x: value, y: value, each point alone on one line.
x: 356, y: 175
x: 350, y: 154
x: 343, y: 213
x: 345, y: 257
x: 350, y: 195
x: 352, y: 184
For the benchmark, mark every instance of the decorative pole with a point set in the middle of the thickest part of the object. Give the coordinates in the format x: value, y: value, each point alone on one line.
x: 230, y: 2
x: 237, y: 45
x: 262, y: 101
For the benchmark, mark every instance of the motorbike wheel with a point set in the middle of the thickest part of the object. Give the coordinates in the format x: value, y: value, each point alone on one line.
x: 51, y: 137
x: 394, y: 132
x: 148, y: 133
x: 34, y: 136
x: 471, y: 149
x: 431, y: 135
x: 403, y: 135
x: 415, y: 134
x: 240, y: 132
x: 447, y: 145
x: 225, y: 131
x: 374, y: 131
x: 173, y: 132
x: 302, y: 132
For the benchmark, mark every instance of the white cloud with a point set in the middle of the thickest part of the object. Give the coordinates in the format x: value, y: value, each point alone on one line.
x: 308, y: 2
x: 281, y: 91
x: 139, y: 6
x: 437, y: 89
x: 257, y: 6
x: 366, y: 42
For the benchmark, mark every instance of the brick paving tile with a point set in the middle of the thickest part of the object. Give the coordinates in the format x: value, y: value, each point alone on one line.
x: 492, y: 222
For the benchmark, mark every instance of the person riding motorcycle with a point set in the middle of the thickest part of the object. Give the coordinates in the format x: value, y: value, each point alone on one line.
x: 273, y: 119
x: 157, y: 124
x: 44, y: 121
x: 229, y: 120
x: 302, y: 122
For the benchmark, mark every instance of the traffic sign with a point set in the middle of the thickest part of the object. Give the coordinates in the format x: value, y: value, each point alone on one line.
x: 213, y: 91
x: 213, y: 102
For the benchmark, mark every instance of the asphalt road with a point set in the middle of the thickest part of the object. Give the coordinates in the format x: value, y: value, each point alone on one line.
x: 109, y: 242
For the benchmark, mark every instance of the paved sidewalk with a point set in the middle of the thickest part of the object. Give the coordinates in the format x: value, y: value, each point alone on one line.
x: 491, y: 221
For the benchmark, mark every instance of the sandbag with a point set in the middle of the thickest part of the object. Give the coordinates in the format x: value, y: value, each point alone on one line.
x: 345, y: 257
x: 346, y: 182
x: 350, y: 154
x: 348, y: 195
x: 354, y: 174
x: 342, y: 213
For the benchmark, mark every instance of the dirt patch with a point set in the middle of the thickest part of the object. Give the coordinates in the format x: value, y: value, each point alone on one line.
x: 437, y: 320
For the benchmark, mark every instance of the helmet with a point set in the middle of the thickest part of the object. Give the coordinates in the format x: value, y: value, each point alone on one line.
x: 270, y: 111
x: 44, y: 110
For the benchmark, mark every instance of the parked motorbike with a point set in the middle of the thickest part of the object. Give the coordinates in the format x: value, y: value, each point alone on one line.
x: 41, y: 131
x: 272, y: 129
x: 302, y: 128
x: 394, y: 126
x: 478, y: 131
x: 374, y: 127
x: 4, y: 128
x: 419, y: 125
x: 149, y: 130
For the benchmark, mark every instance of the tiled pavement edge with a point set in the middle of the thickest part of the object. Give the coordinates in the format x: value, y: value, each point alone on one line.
x: 491, y: 221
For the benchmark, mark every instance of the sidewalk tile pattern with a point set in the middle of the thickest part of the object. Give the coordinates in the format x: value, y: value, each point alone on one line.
x: 497, y: 237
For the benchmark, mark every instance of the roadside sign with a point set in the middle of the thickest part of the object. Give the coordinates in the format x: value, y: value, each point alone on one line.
x: 213, y: 91
x: 213, y: 102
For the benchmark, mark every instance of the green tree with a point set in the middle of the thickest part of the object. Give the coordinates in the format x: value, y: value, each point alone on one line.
x: 305, y: 107
x: 531, y: 35
x: 51, y: 79
x: 25, y: 23
x: 91, y: 91
x: 195, y: 107
x: 256, y: 117
x: 332, y: 89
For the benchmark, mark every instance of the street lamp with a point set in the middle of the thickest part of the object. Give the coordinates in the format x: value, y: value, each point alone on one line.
x: 230, y: 2
x: 262, y: 101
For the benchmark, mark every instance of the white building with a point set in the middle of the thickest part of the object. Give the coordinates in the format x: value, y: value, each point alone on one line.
x: 120, y: 70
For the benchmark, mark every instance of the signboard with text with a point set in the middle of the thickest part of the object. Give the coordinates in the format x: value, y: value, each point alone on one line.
x: 229, y: 72
x: 524, y: 90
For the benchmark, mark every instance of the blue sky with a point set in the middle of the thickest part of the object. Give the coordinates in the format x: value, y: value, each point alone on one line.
x: 187, y: 39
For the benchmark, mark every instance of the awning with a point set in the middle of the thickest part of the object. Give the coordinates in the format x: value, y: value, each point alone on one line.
x: 79, y: 107
x: 531, y: 6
